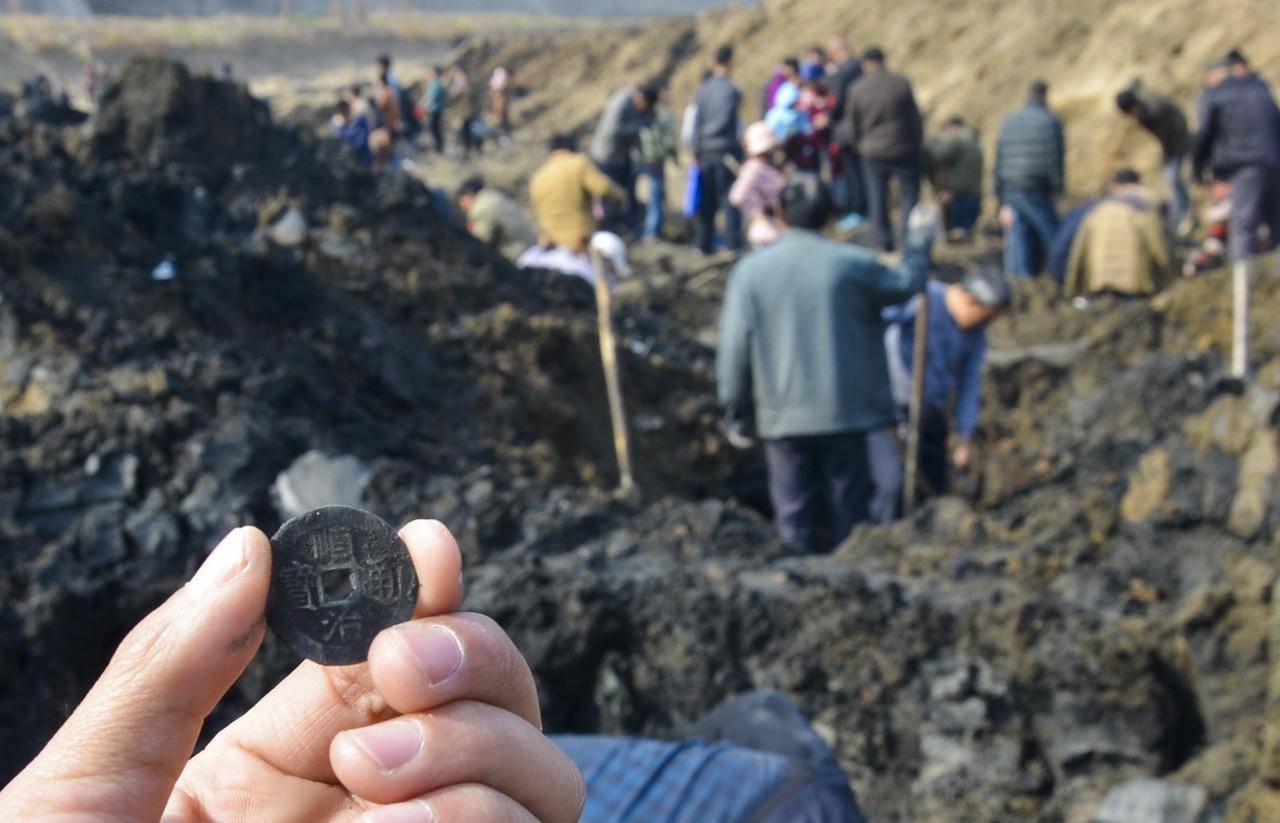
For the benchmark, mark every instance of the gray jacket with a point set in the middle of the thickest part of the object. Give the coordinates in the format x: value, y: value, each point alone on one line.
x: 618, y: 131
x: 802, y: 339
x: 715, y: 124
x: 1030, y: 150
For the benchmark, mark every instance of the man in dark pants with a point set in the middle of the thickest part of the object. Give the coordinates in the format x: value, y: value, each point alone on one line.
x: 882, y: 118
x: 1238, y: 141
x: 1029, y: 178
x: 849, y: 197
x: 801, y: 355
x: 715, y: 135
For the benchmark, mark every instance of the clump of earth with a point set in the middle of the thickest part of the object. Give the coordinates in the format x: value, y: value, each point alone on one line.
x: 187, y: 311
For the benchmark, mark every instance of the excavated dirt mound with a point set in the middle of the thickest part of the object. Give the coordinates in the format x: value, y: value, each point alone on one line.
x: 1096, y: 613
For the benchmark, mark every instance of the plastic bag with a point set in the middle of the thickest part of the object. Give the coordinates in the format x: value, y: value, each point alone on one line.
x: 693, y: 192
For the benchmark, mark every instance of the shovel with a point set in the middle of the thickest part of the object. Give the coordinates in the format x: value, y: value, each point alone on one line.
x: 612, y: 378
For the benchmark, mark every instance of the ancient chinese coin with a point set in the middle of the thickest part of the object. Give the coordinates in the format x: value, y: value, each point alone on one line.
x: 338, y: 577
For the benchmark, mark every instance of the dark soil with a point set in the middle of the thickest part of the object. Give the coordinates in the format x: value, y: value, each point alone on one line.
x: 1094, y: 612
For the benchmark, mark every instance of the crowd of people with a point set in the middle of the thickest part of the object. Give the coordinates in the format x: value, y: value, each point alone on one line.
x: 383, y: 122
x: 816, y: 355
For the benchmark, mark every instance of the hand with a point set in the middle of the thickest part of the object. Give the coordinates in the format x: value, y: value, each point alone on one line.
x: 1006, y: 217
x: 963, y: 456
x: 441, y: 724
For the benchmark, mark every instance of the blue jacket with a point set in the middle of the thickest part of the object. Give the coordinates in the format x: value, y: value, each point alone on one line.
x: 356, y: 135
x: 1029, y: 151
x: 1239, y: 126
x: 954, y: 358
x: 802, y: 340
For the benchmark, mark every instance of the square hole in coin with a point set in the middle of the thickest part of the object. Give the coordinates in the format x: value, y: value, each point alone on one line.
x: 335, y: 586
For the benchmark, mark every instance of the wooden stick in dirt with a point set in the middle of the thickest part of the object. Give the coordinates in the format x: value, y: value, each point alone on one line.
x: 1240, y: 320
x: 916, y: 409
x: 612, y: 378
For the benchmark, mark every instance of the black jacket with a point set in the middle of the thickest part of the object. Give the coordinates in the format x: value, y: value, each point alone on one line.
x: 1163, y: 117
x: 845, y: 75
x: 1239, y: 127
x: 1029, y: 153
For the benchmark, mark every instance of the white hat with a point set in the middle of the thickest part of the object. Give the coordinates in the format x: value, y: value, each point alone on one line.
x: 611, y: 247
x: 759, y: 139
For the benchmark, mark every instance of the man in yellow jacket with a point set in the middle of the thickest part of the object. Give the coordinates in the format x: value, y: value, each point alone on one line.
x: 564, y: 193
x: 1122, y: 247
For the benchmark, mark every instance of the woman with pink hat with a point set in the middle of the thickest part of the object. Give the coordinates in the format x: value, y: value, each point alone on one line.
x: 759, y: 185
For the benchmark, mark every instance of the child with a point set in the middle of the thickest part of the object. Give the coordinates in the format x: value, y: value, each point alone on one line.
x: 759, y: 185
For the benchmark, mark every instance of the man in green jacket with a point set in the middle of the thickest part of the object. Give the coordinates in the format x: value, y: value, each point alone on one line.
x: 801, y: 360
x: 953, y: 160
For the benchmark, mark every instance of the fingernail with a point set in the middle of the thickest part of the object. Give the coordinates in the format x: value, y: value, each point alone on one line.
x: 226, y: 561
x: 391, y: 744
x: 435, y: 649
x: 417, y: 811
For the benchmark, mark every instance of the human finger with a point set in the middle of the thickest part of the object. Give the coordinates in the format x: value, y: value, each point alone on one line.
x: 123, y: 748
x: 426, y: 663
x: 292, y: 726
x: 468, y: 803
x: 461, y: 742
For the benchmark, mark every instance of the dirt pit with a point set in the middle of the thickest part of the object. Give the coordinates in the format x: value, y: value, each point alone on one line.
x: 1094, y: 614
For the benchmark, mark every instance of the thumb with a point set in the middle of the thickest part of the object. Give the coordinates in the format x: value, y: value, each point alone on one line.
x: 120, y: 752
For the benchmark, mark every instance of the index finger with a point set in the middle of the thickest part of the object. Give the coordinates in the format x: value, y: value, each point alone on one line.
x: 292, y: 727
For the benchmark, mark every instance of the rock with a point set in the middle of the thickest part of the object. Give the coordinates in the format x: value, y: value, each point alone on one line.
x: 1148, y: 487
x: 1254, y: 487
x: 1153, y: 801
x: 290, y: 229
x: 316, y: 479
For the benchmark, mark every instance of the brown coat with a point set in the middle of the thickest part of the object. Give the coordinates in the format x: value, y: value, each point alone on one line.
x: 881, y: 116
x: 563, y: 192
x: 1122, y: 247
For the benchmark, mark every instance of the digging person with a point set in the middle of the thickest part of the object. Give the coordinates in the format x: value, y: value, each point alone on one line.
x: 801, y: 362
x: 953, y: 160
x: 494, y: 219
x: 1159, y: 115
x: 627, y: 114
x: 1029, y: 178
x: 1238, y: 142
x: 1122, y: 247
x: 565, y: 192
x: 955, y: 356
